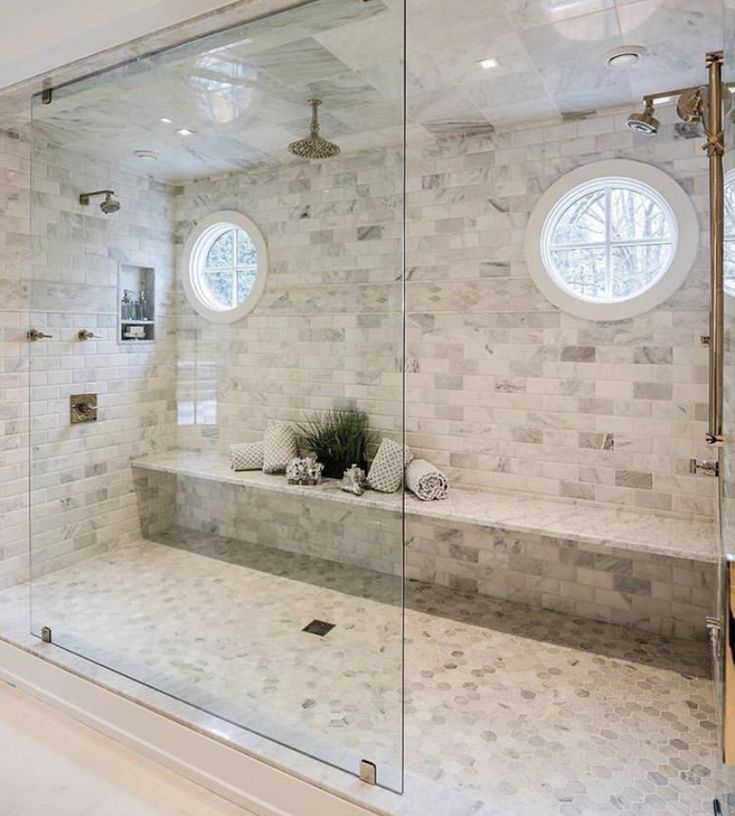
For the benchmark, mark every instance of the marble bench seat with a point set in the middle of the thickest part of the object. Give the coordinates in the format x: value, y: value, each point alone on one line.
x: 655, y: 573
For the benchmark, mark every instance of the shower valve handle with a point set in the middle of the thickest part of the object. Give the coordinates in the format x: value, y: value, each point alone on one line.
x: 86, y: 334
x: 35, y: 334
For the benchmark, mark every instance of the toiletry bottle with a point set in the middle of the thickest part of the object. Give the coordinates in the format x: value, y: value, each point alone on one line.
x: 125, y: 306
x: 143, y: 306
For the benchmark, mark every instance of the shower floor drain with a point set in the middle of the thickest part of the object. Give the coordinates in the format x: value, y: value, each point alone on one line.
x: 317, y: 627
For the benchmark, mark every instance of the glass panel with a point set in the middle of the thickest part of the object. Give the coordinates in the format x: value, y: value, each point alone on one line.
x: 583, y: 271
x: 222, y: 252
x: 636, y: 268
x: 582, y: 222
x: 635, y: 216
x: 245, y: 281
x: 220, y: 285
x: 271, y: 605
x: 247, y: 255
x: 725, y: 775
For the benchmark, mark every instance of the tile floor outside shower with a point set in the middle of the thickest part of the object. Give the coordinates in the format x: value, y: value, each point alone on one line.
x: 512, y: 707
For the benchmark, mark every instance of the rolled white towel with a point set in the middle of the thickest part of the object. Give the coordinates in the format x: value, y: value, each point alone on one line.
x: 246, y: 456
x: 426, y: 481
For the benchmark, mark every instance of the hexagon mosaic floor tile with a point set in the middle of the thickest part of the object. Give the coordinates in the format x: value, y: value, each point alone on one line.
x: 522, y: 711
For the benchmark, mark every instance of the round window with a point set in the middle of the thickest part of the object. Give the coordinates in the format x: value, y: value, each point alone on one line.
x: 226, y: 266
x: 612, y: 240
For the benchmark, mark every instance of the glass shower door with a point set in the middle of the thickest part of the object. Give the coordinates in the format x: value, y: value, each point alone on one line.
x: 276, y: 607
x: 724, y: 645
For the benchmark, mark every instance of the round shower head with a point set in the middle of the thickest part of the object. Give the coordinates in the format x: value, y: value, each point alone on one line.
x: 645, y: 122
x: 110, y: 204
x: 314, y: 146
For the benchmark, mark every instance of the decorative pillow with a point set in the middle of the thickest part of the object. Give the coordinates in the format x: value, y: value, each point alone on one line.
x: 386, y: 471
x: 279, y: 447
x: 246, y: 456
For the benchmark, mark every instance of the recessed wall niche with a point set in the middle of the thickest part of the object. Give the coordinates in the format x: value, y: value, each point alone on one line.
x: 136, y: 304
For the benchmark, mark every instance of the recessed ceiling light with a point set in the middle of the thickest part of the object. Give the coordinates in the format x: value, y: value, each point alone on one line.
x: 185, y: 132
x: 166, y: 121
x: 147, y: 155
x: 625, y: 56
x: 489, y: 62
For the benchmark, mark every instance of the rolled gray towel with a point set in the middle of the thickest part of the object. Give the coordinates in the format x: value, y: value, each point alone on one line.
x: 426, y: 481
x: 246, y: 456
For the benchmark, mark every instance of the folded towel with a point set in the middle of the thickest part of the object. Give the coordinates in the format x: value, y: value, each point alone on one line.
x: 279, y: 447
x: 246, y: 456
x: 386, y: 471
x: 426, y: 481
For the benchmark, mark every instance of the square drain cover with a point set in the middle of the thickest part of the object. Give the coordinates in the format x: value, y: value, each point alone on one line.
x: 317, y: 627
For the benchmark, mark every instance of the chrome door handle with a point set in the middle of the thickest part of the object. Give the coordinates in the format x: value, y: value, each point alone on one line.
x: 35, y: 334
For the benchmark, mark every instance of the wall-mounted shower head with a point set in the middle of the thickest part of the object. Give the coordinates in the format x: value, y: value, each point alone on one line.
x: 645, y: 122
x: 108, y: 206
x: 314, y: 146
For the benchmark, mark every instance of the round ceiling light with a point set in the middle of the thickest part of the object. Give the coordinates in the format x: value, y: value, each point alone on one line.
x: 625, y: 56
x: 146, y: 155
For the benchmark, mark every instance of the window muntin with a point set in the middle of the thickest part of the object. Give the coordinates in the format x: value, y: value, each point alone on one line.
x: 609, y: 240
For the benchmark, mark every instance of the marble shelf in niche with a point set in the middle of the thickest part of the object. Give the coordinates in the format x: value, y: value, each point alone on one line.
x: 592, y: 526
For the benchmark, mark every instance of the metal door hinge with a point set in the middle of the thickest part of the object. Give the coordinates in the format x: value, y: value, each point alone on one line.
x: 47, y: 96
x: 708, y: 467
x: 368, y: 772
x: 46, y: 634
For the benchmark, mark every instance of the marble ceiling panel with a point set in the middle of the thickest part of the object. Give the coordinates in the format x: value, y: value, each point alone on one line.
x: 244, y: 92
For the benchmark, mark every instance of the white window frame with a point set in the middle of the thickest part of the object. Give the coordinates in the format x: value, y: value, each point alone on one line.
x: 685, y: 235
x: 195, y: 252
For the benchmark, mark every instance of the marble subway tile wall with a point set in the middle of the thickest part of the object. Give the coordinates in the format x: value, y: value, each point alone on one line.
x: 82, y: 490
x: 505, y: 392
x: 14, y: 230
x: 327, y: 331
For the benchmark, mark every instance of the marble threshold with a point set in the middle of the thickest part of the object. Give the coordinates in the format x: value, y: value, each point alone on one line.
x: 590, y: 525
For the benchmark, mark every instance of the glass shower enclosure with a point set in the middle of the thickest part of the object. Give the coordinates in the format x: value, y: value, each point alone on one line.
x: 268, y: 602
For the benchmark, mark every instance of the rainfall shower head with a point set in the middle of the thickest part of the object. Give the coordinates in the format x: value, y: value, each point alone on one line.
x: 645, y: 122
x: 108, y: 206
x: 314, y: 146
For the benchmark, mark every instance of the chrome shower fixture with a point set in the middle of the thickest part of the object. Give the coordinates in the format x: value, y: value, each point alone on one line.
x: 108, y: 206
x: 645, y: 122
x: 314, y: 146
x: 692, y: 104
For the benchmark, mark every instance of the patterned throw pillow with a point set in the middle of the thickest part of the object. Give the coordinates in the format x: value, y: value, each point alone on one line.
x: 279, y: 447
x: 246, y: 456
x: 386, y: 471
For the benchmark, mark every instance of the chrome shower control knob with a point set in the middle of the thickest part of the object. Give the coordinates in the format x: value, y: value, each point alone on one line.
x: 35, y: 334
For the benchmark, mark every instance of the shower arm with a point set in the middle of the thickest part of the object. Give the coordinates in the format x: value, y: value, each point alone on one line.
x: 652, y: 99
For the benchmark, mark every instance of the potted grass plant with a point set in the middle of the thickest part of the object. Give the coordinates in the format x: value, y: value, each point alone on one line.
x: 337, y: 438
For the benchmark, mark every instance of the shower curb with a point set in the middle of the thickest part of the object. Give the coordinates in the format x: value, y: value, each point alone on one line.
x: 236, y: 776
